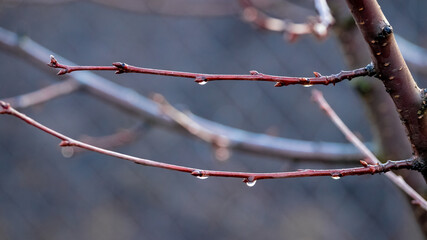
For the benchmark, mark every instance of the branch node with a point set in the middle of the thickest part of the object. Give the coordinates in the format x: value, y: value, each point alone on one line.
x: 419, y: 165
x: 53, y: 61
x: 5, y: 106
x: 65, y: 143
x: 385, y: 31
x: 254, y: 72
x: 370, y: 68
x: 316, y: 74
x: 364, y: 163
x: 121, y: 67
x: 304, y: 81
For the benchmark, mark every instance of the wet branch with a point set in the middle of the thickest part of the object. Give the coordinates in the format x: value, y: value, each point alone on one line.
x: 249, y: 178
x: 370, y: 157
x: 318, y: 98
x: 130, y: 101
x: 392, y: 70
x: 202, y: 78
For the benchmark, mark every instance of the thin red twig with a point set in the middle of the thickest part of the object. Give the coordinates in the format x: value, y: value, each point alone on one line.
x: 202, y: 78
x: 370, y: 157
x: 318, y: 97
x: 249, y: 178
x: 318, y: 26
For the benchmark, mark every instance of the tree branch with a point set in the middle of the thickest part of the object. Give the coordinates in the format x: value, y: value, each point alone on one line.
x: 318, y: 26
x: 202, y: 78
x: 370, y: 157
x: 392, y: 70
x: 249, y: 178
x: 129, y: 100
x: 318, y: 97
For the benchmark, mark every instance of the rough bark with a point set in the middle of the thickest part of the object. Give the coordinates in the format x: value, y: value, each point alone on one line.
x: 392, y: 70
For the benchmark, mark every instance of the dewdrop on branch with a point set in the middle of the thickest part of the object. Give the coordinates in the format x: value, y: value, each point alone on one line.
x: 250, y: 181
x: 199, y: 174
x: 336, y: 176
x: 201, y: 80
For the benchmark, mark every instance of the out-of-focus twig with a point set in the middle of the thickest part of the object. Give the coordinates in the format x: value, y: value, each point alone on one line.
x: 219, y: 142
x: 43, y: 95
x: 189, y: 124
x: 414, y: 55
x: 370, y: 157
x: 318, y: 26
x: 165, y: 7
x: 120, y: 138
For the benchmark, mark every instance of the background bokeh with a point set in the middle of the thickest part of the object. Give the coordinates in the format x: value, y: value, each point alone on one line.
x: 44, y: 195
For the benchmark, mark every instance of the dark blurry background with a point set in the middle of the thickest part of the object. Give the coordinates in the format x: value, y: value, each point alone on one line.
x: 44, y: 195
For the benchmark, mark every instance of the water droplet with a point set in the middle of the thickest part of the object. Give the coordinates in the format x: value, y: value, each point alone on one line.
x: 279, y: 84
x: 199, y: 174
x: 336, y: 176
x: 308, y: 85
x: 203, y: 82
x: 251, y: 183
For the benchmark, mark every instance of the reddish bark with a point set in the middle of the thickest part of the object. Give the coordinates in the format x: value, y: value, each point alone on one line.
x: 392, y: 70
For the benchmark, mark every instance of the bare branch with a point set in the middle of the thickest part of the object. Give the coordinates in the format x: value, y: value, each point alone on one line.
x: 249, y: 178
x: 318, y: 97
x: 129, y: 100
x: 391, y: 68
x: 318, y: 26
x: 43, y: 95
x: 371, y: 159
x: 202, y: 78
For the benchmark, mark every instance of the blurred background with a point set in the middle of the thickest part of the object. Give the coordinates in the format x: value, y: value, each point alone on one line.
x: 46, y: 194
